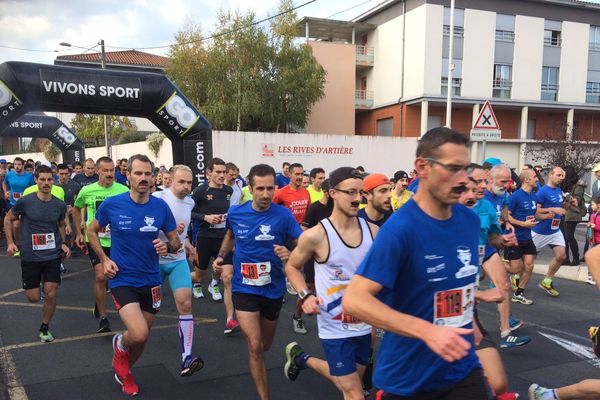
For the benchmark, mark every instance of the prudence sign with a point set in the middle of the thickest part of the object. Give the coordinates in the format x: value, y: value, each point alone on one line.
x: 486, y: 126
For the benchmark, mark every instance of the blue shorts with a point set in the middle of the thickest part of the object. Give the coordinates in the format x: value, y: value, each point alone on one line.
x: 178, y: 273
x: 342, y: 355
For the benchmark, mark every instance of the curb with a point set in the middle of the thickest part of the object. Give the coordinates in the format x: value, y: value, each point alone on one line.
x: 577, y: 273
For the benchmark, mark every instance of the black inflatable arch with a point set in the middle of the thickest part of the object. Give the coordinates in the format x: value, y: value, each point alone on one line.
x: 26, y: 87
x: 39, y: 125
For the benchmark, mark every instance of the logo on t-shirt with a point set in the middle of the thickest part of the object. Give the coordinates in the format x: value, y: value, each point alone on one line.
x: 264, y: 233
x: 464, y: 255
x: 338, y: 274
x: 149, y: 220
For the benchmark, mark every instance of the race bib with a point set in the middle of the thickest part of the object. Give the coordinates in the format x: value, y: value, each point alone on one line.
x: 43, y: 241
x: 454, y: 307
x: 352, y: 323
x: 16, y: 195
x: 256, y: 274
x: 555, y: 223
x: 104, y: 232
x: 481, y: 253
x: 156, y: 297
x: 220, y: 225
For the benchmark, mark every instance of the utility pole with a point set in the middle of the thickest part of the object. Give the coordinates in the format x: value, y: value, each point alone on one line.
x: 106, y: 133
x: 450, y: 68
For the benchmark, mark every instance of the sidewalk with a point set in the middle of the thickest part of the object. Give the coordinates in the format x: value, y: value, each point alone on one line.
x: 578, y: 273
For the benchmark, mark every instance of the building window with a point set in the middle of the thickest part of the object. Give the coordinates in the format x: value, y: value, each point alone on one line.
x: 385, y: 127
x: 592, y: 92
x: 505, y: 36
x: 502, y: 81
x: 456, y: 83
x: 552, y: 38
x: 549, y: 83
x: 459, y: 31
x: 594, y: 37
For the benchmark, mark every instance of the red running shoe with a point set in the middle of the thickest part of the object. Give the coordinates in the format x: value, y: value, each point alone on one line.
x: 120, y: 358
x: 231, y: 326
x: 128, y: 385
x: 507, y: 396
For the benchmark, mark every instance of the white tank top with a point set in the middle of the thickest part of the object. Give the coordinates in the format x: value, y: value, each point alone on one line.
x: 331, y: 279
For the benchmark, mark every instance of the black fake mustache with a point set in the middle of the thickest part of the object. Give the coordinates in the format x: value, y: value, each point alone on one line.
x: 355, y: 203
x: 459, y: 189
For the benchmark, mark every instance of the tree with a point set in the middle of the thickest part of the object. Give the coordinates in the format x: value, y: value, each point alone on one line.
x: 248, y: 77
x: 90, y: 127
x: 559, y: 148
x: 154, y: 142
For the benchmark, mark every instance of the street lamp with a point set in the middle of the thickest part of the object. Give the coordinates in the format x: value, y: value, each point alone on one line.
x: 103, y: 65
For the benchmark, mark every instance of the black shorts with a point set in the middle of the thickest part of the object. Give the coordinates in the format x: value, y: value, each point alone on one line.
x: 207, y: 249
x: 309, y: 271
x: 146, y: 296
x: 474, y: 386
x: 268, y: 308
x: 517, y: 252
x: 94, y: 257
x: 487, y: 341
x: 32, y: 272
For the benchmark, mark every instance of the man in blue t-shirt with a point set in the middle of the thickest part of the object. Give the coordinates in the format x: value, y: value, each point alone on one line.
x: 283, y: 179
x: 135, y: 219
x: 13, y: 186
x: 418, y: 282
x: 260, y: 230
x: 552, y: 202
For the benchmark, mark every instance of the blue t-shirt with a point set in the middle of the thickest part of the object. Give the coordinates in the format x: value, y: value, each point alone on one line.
x: 434, y: 264
x: 17, y: 183
x: 414, y: 185
x: 133, y: 227
x: 257, y: 269
x: 498, y: 202
x: 522, y: 207
x: 549, y: 197
x: 488, y: 223
x: 120, y: 178
x: 282, y: 180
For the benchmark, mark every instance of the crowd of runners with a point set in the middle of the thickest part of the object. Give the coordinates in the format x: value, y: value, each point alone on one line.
x: 402, y: 261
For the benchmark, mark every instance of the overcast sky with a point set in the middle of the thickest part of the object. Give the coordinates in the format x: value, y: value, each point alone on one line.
x: 43, y: 24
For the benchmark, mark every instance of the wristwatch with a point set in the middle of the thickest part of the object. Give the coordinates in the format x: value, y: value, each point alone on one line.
x: 304, y: 293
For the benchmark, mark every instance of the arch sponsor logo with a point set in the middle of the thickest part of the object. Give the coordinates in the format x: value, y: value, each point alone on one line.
x: 64, y: 136
x: 9, y: 103
x: 178, y: 114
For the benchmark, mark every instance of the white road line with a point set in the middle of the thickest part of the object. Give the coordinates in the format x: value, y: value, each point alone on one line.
x: 579, y: 350
x: 16, y: 391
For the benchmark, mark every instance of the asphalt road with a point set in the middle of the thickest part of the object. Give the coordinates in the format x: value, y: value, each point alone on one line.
x: 77, y: 365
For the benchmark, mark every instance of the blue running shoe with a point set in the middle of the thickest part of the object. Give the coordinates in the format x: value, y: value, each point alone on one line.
x: 513, y: 341
x: 514, y: 324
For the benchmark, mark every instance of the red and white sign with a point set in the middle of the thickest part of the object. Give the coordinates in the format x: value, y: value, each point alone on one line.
x: 486, y: 126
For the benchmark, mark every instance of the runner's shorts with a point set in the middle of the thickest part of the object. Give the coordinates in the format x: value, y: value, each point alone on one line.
x: 148, y: 297
x: 555, y: 239
x: 268, y: 308
x: 526, y: 247
x: 32, y: 272
x: 178, y: 273
x: 94, y: 257
x: 343, y: 354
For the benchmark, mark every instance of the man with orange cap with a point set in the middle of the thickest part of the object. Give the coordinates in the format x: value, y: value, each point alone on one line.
x: 378, y: 190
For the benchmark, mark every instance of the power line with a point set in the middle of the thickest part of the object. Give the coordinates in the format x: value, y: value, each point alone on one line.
x: 24, y: 49
x: 222, y: 33
x: 351, y: 8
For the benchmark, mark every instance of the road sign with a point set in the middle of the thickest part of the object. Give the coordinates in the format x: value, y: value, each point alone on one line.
x: 486, y: 125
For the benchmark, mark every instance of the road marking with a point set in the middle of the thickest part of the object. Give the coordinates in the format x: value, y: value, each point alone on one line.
x: 3, y: 295
x: 579, y: 350
x: 6, y: 349
x: 16, y: 391
x: 88, y: 309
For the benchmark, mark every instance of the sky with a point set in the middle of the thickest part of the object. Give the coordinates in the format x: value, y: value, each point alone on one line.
x: 42, y: 24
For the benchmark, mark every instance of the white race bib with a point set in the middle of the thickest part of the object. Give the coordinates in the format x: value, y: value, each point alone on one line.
x: 104, y: 232
x: 555, y: 224
x: 352, y: 323
x: 454, y: 307
x: 256, y: 274
x: 43, y: 241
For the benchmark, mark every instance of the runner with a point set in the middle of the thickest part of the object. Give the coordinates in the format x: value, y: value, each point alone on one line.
x: 14, y: 184
x: 260, y: 231
x: 400, y: 194
x: 417, y: 283
x: 133, y: 269
x: 337, y: 245
x: 295, y: 198
x: 87, y: 203
x: 212, y: 202
x: 231, y: 179
x: 71, y: 190
x: 317, y: 176
x: 89, y: 175
x: 378, y: 190
x: 283, y: 179
x: 552, y: 202
x: 175, y: 266
x: 42, y: 244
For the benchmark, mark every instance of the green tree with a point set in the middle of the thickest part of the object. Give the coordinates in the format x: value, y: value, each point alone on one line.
x: 90, y: 127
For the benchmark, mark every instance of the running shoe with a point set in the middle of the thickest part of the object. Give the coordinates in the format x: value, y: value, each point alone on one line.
x: 507, y: 396
x: 514, y: 324
x: 191, y: 364
x: 291, y: 370
x: 537, y: 392
x: 197, y: 291
x: 549, y: 288
x: 104, y: 325
x: 521, y: 299
x: 590, y: 280
x: 290, y: 288
x: 514, y: 282
x: 231, y: 326
x: 63, y: 270
x: 127, y: 384
x: 298, y: 325
x: 215, y: 292
x: 120, y: 359
x: 593, y: 332
x: 46, y: 336
x: 513, y: 341
x: 42, y: 295
x: 95, y: 312
x: 17, y: 254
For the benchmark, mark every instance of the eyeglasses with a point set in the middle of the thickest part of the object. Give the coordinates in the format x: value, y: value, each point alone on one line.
x: 453, y: 169
x: 351, y: 193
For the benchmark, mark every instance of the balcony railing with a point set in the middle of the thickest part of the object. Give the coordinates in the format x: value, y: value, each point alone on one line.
x: 552, y: 41
x: 459, y: 31
x: 501, y: 88
x: 549, y: 91
x: 363, y: 99
x: 456, y: 84
x: 594, y: 45
x: 505, y: 36
x: 365, y: 55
